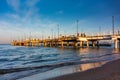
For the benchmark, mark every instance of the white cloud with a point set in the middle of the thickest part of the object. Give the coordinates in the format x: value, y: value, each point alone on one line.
x: 10, y: 30
x: 60, y: 12
x: 26, y: 12
x: 17, y: 26
x: 14, y: 16
x: 7, y: 30
x: 14, y: 3
x: 32, y: 3
x: 25, y: 8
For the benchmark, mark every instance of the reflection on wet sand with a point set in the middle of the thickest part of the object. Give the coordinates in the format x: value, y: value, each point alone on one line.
x: 83, y: 67
x: 116, y: 51
x: 62, y: 71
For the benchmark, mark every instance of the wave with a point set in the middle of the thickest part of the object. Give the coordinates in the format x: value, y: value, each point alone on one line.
x: 97, y: 56
x: 46, y: 62
x: 4, y: 71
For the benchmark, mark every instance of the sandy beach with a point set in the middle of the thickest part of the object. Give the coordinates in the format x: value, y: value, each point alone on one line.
x: 109, y: 71
x: 91, y: 71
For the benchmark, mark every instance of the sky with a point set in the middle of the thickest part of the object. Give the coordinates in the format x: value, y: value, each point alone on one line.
x: 21, y: 19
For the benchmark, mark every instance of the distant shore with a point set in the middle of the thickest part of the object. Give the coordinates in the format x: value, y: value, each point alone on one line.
x: 109, y: 71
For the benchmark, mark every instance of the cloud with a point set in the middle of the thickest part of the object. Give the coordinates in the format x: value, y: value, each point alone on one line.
x: 31, y: 3
x: 15, y: 29
x: 30, y: 11
x: 26, y: 11
x: 14, y: 3
x: 14, y: 16
x: 60, y: 12
x: 26, y: 20
x: 25, y: 8
x: 8, y: 32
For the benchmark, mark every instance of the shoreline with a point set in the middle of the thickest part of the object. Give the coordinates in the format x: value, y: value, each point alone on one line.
x: 63, y: 71
x: 108, y: 71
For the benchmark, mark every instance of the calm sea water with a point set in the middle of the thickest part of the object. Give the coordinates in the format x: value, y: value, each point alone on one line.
x: 17, y: 59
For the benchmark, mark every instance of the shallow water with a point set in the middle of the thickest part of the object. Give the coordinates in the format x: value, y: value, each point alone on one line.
x: 62, y: 71
x: 41, y: 59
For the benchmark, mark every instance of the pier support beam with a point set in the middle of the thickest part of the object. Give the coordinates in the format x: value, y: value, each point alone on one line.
x: 98, y: 44
x: 20, y: 43
x: 81, y: 44
x: 33, y: 44
x: 62, y: 44
x: 39, y: 44
x: 45, y: 44
x: 67, y: 44
x: 119, y: 43
x: 93, y: 44
x: 58, y: 44
x: 27, y: 44
x: 55, y: 44
x: 75, y: 44
x: 87, y: 44
x: 50, y: 44
x: 116, y: 43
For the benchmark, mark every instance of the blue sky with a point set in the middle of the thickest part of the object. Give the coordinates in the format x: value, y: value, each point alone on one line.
x: 20, y: 18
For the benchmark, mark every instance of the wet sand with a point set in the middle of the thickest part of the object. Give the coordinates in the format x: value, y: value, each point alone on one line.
x: 109, y: 71
x: 62, y: 71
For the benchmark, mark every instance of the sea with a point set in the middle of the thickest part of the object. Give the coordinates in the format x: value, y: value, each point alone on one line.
x: 18, y: 62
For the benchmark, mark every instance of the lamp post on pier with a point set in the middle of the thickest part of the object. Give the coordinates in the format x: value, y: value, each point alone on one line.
x: 77, y: 27
x: 58, y: 31
x: 113, y: 24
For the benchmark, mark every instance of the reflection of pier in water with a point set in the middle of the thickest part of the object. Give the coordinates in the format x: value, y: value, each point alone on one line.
x: 79, y: 68
x: 87, y: 66
x: 68, y: 41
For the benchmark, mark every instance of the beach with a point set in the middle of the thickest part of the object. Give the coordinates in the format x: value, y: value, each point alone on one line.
x: 109, y: 71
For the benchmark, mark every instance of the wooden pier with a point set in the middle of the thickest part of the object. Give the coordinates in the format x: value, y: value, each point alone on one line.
x: 69, y: 41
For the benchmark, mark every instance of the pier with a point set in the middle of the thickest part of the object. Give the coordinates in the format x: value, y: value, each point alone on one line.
x: 70, y: 41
